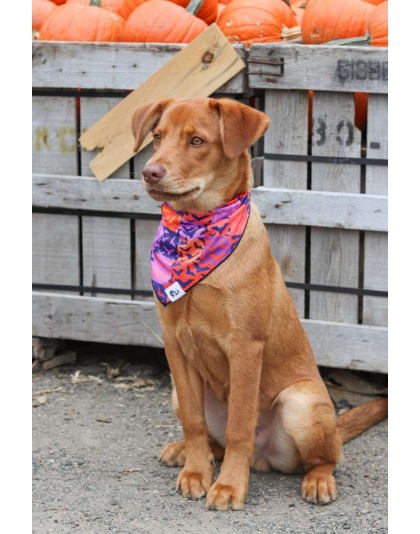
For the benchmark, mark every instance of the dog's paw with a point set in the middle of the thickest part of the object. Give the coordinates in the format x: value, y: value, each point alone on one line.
x: 319, y: 489
x: 193, y: 484
x: 173, y: 455
x: 225, y: 497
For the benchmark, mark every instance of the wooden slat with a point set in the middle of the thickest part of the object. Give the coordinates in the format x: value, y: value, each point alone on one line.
x: 135, y: 323
x: 109, y: 66
x: 326, y: 68
x: 287, y: 242
x: 334, y: 253
x: 375, y: 271
x: 106, y: 253
x: 184, y: 75
x: 54, y: 135
x: 277, y: 206
x: 106, y: 241
x: 95, y: 319
x: 55, y: 249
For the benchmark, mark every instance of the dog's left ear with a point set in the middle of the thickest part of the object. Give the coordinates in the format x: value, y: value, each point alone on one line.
x: 240, y: 125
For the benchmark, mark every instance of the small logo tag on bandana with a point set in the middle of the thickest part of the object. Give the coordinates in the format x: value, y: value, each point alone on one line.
x: 190, y: 245
x: 174, y: 292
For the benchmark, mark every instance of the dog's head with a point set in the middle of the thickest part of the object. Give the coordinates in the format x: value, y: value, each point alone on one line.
x: 200, y: 145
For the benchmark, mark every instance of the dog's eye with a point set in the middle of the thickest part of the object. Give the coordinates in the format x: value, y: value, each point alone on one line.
x: 156, y: 138
x: 197, y: 141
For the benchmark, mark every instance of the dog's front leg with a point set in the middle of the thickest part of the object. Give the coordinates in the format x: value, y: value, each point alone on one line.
x: 230, y: 489
x: 196, y: 476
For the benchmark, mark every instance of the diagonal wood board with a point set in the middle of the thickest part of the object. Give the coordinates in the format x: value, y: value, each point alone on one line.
x: 203, y: 66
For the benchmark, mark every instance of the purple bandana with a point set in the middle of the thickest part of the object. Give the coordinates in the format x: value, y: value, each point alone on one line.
x: 189, y: 245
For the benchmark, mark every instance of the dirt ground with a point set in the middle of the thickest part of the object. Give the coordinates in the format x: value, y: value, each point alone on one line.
x: 97, y: 429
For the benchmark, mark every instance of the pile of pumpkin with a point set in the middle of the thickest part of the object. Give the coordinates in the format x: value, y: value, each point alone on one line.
x: 242, y: 21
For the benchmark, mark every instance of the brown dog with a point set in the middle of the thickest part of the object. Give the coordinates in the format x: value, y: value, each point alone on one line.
x: 246, y: 385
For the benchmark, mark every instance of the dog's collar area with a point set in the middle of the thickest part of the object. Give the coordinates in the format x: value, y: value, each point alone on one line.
x: 190, y: 245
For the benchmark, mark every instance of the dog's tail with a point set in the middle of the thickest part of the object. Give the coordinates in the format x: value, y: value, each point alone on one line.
x: 360, y: 418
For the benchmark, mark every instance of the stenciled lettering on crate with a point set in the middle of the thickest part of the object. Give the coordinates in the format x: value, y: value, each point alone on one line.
x: 55, y: 244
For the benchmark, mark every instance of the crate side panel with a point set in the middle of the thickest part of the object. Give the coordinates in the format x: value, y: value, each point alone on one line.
x: 334, y: 253
x: 375, y: 309
x: 55, y: 249
x: 54, y: 135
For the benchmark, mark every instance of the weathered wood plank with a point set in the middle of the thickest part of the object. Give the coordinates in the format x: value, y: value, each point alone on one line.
x: 325, y: 68
x: 335, y: 253
x: 96, y: 319
x: 277, y: 206
x: 55, y: 249
x: 288, y: 243
x: 375, y: 270
x: 106, y: 253
x: 135, y: 323
x: 54, y: 135
x: 106, y: 244
x: 109, y: 66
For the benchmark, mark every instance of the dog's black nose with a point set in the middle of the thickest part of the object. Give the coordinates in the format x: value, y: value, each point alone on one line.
x: 153, y: 173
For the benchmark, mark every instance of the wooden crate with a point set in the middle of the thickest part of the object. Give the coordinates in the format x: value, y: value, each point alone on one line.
x: 324, y: 205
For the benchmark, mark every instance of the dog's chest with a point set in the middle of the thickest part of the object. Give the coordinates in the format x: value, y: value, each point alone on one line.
x: 200, y: 325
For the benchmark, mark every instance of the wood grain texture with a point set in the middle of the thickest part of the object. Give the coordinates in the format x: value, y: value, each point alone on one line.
x: 135, y: 323
x: 110, y: 66
x: 375, y: 268
x: 277, y: 206
x: 326, y: 68
x: 334, y: 253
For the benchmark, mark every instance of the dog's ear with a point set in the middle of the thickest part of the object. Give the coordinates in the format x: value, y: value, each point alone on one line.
x: 145, y: 117
x: 240, y: 125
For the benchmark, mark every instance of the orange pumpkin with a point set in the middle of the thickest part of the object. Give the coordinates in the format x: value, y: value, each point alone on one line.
x: 329, y: 20
x: 153, y: 22
x: 73, y: 22
x: 129, y: 6
x: 113, y: 5
x: 207, y: 12
x: 41, y: 9
x: 250, y: 22
x: 374, y: 2
x: 378, y: 25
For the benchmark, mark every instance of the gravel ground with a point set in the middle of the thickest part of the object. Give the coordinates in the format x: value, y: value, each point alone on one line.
x: 97, y: 428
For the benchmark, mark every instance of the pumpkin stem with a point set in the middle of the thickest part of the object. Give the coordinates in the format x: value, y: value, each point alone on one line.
x: 194, y: 6
x: 364, y: 40
x: 97, y: 3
